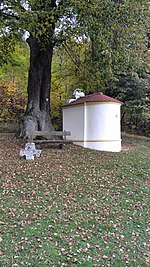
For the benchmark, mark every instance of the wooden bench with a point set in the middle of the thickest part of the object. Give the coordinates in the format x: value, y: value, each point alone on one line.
x: 49, y: 137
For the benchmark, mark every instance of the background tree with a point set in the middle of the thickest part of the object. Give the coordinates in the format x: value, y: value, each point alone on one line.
x: 15, y: 68
x: 13, y: 82
x: 12, y: 102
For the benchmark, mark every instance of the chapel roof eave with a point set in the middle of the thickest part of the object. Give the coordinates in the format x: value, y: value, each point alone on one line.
x: 94, y: 98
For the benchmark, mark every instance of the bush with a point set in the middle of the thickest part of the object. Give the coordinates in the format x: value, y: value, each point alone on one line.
x: 12, y: 102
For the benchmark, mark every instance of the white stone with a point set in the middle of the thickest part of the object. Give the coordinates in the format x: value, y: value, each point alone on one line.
x: 30, y: 151
x: 78, y: 93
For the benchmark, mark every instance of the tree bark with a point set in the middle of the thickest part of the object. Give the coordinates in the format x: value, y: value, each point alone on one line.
x: 37, y: 115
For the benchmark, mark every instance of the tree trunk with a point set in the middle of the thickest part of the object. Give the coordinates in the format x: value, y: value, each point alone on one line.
x: 37, y: 115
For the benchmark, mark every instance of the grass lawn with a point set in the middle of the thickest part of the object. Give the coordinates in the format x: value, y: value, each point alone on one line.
x: 75, y: 206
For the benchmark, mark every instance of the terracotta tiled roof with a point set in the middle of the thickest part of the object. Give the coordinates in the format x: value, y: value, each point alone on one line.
x: 96, y: 97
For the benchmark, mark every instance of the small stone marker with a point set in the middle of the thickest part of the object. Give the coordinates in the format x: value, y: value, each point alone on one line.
x: 30, y: 151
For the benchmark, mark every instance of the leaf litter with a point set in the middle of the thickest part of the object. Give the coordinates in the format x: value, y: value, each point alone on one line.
x: 74, y: 207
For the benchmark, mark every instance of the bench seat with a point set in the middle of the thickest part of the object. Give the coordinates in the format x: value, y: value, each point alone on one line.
x: 49, y: 137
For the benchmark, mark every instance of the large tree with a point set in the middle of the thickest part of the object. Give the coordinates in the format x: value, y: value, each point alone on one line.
x: 37, y: 19
x: 106, y: 24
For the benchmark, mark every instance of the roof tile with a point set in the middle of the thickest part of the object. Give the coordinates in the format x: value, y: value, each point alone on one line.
x: 96, y: 97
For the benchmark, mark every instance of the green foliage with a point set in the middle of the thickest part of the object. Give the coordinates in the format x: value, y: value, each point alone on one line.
x: 13, y: 82
x: 15, y: 68
x: 12, y: 102
x: 110, y: 39
x: 72, y: 70
x: 117, y: 33
x: 134, y: 91
x: 114, y: 29
x: 6, y: 49
x: 57, y: 100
